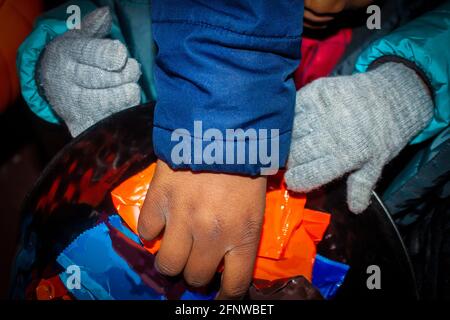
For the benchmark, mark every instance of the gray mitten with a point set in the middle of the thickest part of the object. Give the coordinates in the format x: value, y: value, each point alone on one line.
x: 86, y: 77
x: 355, y: 124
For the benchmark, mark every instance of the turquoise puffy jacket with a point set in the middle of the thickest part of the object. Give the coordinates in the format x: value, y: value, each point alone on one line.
x: 423, y: 44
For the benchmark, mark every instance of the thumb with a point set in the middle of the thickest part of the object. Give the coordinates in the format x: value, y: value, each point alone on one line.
x: 97, y: 24
x: 360, y: 185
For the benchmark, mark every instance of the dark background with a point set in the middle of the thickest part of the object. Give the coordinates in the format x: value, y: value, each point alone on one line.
x: 27, y: 144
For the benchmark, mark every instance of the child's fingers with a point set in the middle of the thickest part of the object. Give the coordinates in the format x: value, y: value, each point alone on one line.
x: 106, y: 54
x: 202, y: 264
x: 237, y: 274
x: 175, y: 248
x: 151, y: 219
x: 95, y: 78
x: 108, y: 100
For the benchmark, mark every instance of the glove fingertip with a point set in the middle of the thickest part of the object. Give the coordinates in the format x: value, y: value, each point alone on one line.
x: 357, y: 206
x: 116, y: 54
x: 295, y: 182
x: 360, y: 185
x: 134, y: 69
x: 134, y: 94
x: 98, y: 23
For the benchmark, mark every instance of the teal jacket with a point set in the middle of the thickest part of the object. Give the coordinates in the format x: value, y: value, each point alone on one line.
x: 423, y: 43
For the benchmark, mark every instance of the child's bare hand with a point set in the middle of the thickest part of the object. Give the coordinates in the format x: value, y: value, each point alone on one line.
x: 206, y: 217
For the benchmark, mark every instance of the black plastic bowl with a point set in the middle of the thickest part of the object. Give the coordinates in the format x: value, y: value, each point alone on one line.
x: 77, y: 183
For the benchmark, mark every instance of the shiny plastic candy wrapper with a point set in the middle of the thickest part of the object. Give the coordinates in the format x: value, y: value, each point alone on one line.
x: 114, y: 266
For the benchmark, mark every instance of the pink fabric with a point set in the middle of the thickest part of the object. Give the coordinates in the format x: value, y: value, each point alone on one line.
x: 319, y: 57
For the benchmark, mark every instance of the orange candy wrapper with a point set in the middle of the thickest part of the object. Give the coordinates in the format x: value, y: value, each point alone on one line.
x: 289, y: 235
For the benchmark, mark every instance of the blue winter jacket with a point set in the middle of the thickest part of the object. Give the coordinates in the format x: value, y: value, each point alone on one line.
x: 226, y: 63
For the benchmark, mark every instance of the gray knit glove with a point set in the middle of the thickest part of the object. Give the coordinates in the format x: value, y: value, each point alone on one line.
x: 355, y: 124
x: 86, y: 77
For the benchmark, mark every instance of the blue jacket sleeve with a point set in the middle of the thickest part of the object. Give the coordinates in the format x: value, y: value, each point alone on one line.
x: 224, y: 80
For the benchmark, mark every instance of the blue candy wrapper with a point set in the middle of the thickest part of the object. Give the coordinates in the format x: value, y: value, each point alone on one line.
x: 328, y: 275
x: 115, y: 266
